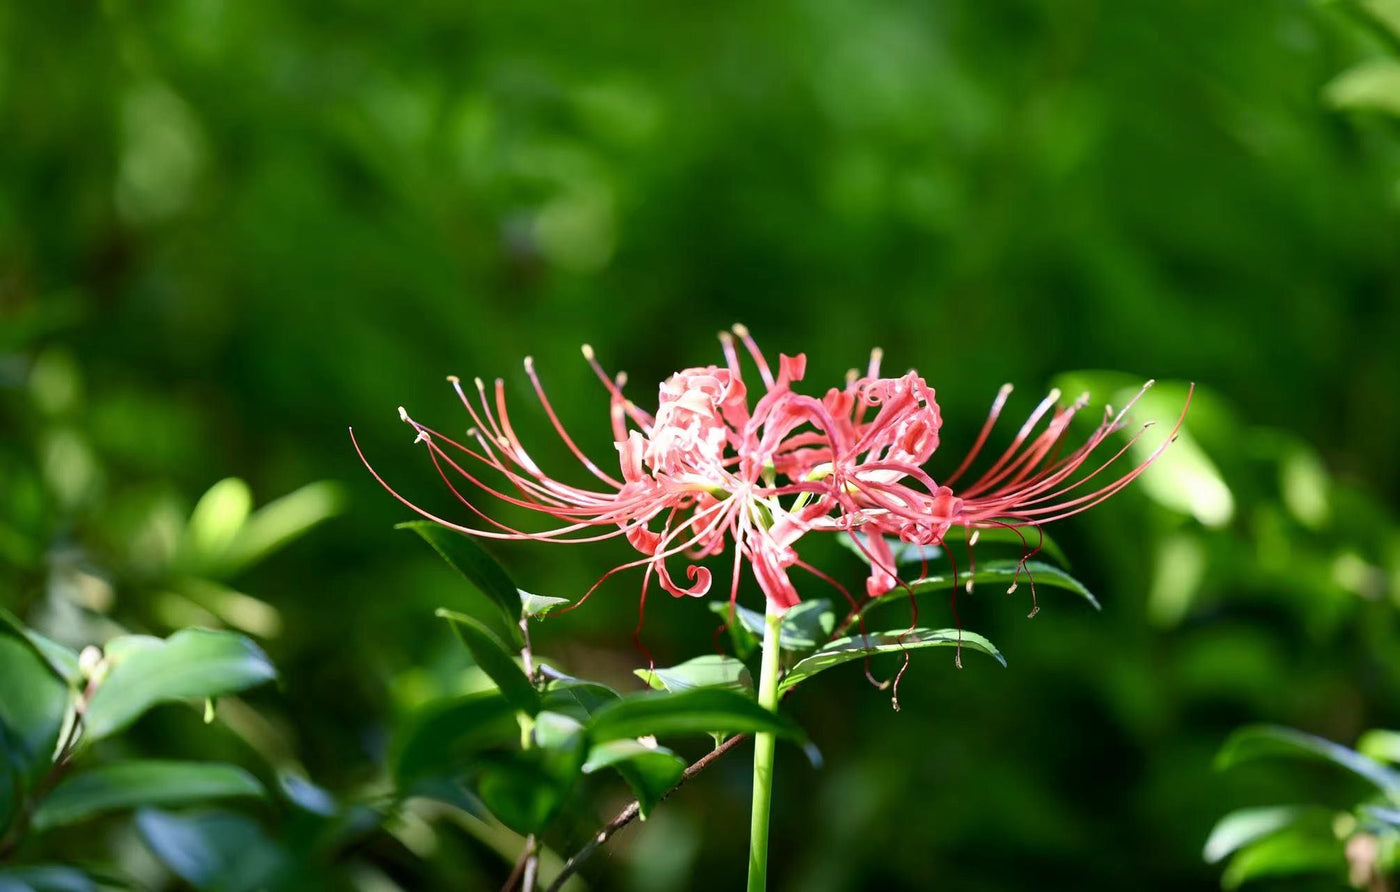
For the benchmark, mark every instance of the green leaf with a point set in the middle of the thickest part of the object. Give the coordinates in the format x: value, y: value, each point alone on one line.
x: 577, y: 699
x: 1248, y: 825
x: 192, y: 663
x: 1259, y: 741
x: 700, y: 711
x: 538, y: 606
x: 495, y: 660
x: 1388, y: 818
x: 213, y: 850
x: 709, y: 671
x: 843, y: 650
x: 996, y: 573
x: 526, y: 789
x: 1287, y: 853
x: 903, y: 552
x: 45, y: 878
x: 34, y: 703
x: 555, y: 729
x: 442, y: 739
x: 1386, y: 15
x: 216, y: 521
x: 122, y: 785
x: 475, y: 565
x: 1381, y: 745
x: 1371, y: 86
x: 280, y: 521
x: 62, y: 660
x: 1027, y: 538
x: 804, y: 626
x: 651, y: 772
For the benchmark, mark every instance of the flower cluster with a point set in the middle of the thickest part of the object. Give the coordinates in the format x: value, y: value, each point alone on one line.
x: 717, y: 465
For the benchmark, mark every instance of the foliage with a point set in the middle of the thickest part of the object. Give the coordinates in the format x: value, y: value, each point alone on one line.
x: 229, y: 230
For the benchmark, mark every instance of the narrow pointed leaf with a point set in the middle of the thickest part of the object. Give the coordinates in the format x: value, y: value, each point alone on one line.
x: 495, y: 660
x: 804, y: 627
x: 992, y: 574
x: 1248, y: 825
x: 700, y: 711
x: 1260, y: 741
x: 709, y: 671
x: 475, y: 565
x: 62, y: 660
x: 192, y: 663
x: 538, y: 606
x: 1287, y: 853
x: 843, y: 650
x: 578, y: 699
x: 903, y: 552
x: 123, y: 785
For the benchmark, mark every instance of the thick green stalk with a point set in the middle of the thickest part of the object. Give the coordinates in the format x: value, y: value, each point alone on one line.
x: 763, y: 747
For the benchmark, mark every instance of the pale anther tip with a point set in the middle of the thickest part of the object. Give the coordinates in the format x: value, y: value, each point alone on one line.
x: 403, y: 414
x: 453, y: 379
x: 480, y: 385
x: 587, y: 352
x: 741, y: 329
x: 621, y: 378
x: 529, y: 363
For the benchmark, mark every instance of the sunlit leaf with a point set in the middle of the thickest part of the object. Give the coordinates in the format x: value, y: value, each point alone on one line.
x: 1261, y: 741
x: 843, y: 650
x: 1247, y: 825
x: 1031, y: 540
x: 472, y: 562
x: 122, y: 785
x: 804, y: 626
x: 990, y: 573
x: 1373, y: 86
x: 650, y: 771
x: 282, y: 520
x: 708, y: 671
x: 192, y: 663
x: 1286, y: 853
x: 903, y: 552
x: 699, y: 711
x: 578, y: 699
x: 495, y: 660
x: 216, y: 521
x: 1381, y: 745
x: 537, y: 606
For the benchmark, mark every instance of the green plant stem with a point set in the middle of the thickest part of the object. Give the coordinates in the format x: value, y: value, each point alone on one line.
x: 763, y: 748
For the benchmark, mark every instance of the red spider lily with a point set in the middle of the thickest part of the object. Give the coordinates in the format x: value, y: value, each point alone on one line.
x: 710, y: 468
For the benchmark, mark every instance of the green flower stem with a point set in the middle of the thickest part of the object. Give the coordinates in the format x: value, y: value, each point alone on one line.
x: 763, y: 747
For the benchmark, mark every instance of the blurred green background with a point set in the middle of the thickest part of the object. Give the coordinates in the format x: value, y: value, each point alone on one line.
x: 229, y: 229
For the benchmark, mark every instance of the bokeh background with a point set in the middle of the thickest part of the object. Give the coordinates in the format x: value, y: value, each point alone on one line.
x: 230, y: 230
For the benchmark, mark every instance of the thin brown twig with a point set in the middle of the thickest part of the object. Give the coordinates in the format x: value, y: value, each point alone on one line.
x: 633, y: 810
